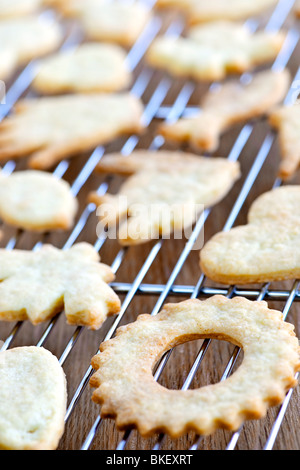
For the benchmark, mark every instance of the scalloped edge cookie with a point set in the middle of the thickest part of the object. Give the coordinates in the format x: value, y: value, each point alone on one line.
x: 127, y: 391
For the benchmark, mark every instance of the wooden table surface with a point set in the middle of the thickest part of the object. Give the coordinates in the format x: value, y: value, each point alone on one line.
x: 254, y: 433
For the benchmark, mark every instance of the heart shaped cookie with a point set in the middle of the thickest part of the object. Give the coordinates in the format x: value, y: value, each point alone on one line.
x: 264, y: 250
x: 33, y: 399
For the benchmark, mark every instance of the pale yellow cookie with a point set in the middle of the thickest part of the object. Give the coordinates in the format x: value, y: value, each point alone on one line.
x: 278, y: 205
x: 215, y: 50
x: 36, y: 285
x: 264, y: 250
x: 201, y: 11
x: 109, y: 20
x: 286, y: 120
x: 90, y: 68
x: 127, y: 391
x: 164, y: 193
x: 33, y: 399
x: 50, y: 129
x: 231, y: 103
x: 12, y: 8
x: 25, y: 38
x: 36, y: 200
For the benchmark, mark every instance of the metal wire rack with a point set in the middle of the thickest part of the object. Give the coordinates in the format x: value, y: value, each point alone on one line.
x: 155, y: 89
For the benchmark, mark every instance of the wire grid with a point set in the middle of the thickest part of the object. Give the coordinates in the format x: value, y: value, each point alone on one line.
x: 156, y: 109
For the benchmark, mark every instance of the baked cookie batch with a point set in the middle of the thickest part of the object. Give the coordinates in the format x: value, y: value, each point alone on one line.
x: 81, y: 100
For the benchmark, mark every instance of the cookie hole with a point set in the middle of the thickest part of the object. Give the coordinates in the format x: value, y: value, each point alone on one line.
x: 215, y: 357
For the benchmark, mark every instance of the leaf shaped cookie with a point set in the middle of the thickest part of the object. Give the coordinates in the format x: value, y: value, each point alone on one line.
x: 201, y: 11
x: 50, y: 129
x: 135, y: 399
x: 164, y: 193
x: 264, y: 250
x: 231, y: 103
x: 9, y: 8
x: 109, y: 20
x: 286, y: 119
x: 36, y: 285
x: 26, y: 38
x: 36, y: 200
x: 33, y: 399
x: 212, y: 51
x: 91, y: 67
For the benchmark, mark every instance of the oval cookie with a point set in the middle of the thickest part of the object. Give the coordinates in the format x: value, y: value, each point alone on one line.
x: 36, y: 200
x: 33, y: 398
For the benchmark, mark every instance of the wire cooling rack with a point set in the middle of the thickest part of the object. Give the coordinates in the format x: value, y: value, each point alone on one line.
x: 163, y: 270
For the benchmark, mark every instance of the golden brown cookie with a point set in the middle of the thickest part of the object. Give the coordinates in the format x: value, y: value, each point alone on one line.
x: 164, y: 193
x: 231, y: 103
x: 50, y: 129
x: 265, y: 249
x: 36, y: 285
x: 286, y: 120
x: 214, y: 50
x: 127, y: 391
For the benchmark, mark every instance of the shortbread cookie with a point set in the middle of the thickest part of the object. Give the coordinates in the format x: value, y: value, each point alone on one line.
x: 11, y: 8
x: 36, y: 200
x: 33, y: 399
x: 231, y: 103
x: 26, y: 38
x: 165, y: 193
x: 201, y: 11
x: 212, y: 51
x: 36, y: 285
x: 109, y: 20
x: 135, y: 399
x: 91, y: 68
x: 265, y: 249
x: 286, y: 120
x: 50, y: 129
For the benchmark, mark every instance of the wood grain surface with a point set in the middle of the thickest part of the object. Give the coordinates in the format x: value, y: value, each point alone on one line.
x: 84, y: 343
